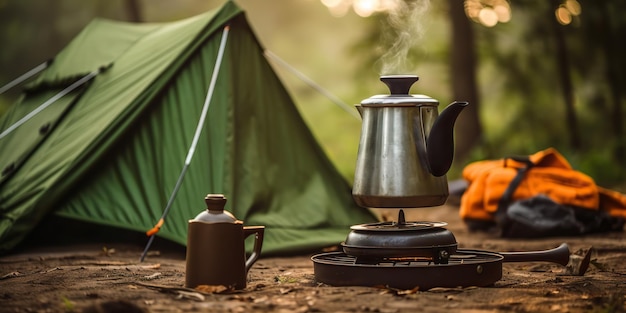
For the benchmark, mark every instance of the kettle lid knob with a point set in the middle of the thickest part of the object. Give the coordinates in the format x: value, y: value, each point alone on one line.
x: 215, y: 212
x: 399, y: 84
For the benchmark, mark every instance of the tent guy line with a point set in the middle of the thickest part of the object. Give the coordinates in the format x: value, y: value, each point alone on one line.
x: 89, y: 76
x: 205, y: 109
x: 312, y: 84
x: 25, y: 76
x: 52, y: 100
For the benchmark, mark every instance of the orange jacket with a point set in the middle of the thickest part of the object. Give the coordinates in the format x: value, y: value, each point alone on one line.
x: 551, y: 175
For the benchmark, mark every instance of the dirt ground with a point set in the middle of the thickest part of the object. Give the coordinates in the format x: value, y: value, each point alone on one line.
x: 101, y: 277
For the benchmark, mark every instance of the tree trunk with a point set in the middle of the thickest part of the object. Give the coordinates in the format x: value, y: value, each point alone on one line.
x: 562, y: 58
x: 468, y: 130
x: 133, y: 8
x: 613, y: 55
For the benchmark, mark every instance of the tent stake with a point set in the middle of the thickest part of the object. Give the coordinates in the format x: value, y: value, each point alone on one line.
x: 196, y: 137
x: 25, y: 76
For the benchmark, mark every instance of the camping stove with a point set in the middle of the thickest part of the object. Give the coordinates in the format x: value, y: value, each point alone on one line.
x: 405, y: 150
x: 405, y: 254
x: 417, y: 255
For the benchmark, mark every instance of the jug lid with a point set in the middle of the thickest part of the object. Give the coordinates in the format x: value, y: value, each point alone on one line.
x: 215, y: 212
x: 399, y: 87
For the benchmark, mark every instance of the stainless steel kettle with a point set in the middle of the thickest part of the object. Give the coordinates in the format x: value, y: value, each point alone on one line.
x: 406, y: 148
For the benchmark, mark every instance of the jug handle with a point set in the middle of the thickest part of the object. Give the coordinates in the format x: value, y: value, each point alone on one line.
x: 258, y: 243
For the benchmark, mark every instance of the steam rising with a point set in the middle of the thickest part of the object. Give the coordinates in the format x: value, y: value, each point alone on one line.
x: 406, y: 29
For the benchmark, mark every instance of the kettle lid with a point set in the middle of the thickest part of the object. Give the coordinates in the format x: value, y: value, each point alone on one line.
x: 399, y: 87
x: 215, y: 212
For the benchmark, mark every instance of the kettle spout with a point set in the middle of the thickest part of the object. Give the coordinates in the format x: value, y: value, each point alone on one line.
x: 440, y: 142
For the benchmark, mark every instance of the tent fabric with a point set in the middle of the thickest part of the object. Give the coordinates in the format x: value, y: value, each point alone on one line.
x: 117, y: 146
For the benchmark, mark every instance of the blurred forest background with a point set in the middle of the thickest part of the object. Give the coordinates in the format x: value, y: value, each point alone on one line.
x: 538, y: 74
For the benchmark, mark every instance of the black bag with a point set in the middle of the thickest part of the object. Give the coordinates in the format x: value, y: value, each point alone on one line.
x: 541, y: 217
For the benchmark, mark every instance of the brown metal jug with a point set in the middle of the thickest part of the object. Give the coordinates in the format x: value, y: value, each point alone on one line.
x: 216, y: 247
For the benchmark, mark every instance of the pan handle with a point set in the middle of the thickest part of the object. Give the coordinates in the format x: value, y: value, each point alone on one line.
x: 559, y: 255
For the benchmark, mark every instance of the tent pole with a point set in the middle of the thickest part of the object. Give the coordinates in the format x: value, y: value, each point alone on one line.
x: 25, y: 76
x: 196, y: 137
x: 313, y: 84
x: 50, y: 101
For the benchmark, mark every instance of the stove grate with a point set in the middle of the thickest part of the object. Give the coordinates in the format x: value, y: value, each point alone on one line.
x: 348, y: 260
x: 465, y: 268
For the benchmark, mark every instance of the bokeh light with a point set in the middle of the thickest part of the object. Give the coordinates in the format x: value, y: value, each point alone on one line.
x: 488, y: 17
x: 485, y: 12
x: 363, y: 8
x: 488, y: 12
x: 565, y: 12
x: 573, y: 7
x: 503, y: 12
x: 331, y: 3
x: 563, y: 15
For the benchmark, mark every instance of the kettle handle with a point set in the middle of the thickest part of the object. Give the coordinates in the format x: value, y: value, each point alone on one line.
x: 258, y: 243
x: 440, y: 141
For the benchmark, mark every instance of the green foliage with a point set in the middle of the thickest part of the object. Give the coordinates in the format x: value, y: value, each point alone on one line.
x: 68, y: 305
x: 522, y: 109
x: 597, y: 164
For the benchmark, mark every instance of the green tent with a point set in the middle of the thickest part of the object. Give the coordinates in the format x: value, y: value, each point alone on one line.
x: 110, y: 152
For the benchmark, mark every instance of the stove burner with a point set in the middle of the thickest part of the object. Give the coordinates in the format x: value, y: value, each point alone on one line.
x: 400, y: 239
x: 464, y: 268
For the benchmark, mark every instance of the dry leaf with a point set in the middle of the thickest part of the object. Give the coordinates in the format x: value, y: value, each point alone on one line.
x: 330, y: 249
x: 189, y: 295
x: 10, y: 275
x: 213, y: 288
x: 153, y: 276
x: 284, y: 291
x: 261, y: 299
x: 154, y: 253
x: 408, y: 292
x: 53, y: 269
